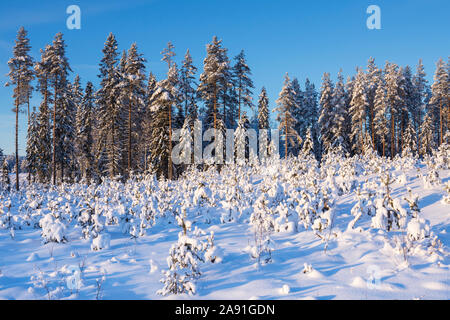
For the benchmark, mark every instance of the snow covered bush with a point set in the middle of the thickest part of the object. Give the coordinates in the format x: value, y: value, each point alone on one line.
x: 446, y: 198
x: 183, y: 263
x: 263, y: 225
x: 102, y: 241
x: 418, y: 229
x: 53, y: 230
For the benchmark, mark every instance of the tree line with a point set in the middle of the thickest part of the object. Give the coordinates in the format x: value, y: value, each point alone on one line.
x: 126, y: 125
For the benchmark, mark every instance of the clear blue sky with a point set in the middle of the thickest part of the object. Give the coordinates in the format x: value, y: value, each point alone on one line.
x: 304, y: 38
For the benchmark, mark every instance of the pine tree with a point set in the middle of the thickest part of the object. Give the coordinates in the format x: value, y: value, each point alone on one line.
x: 339, y: 130
x: 393, y: 80
x: 6, y: 183
x: 20, y: 75
x: 373, y: 74
x: 381, y: 122
x: 418, y: 105
x: 242, y: 82
x: 187, y: 87
x: 214, y: 83
x: 109, y: 146
x: 263, y: 110
x: 308, y: 144
x: 286, y: 105
x: 358, y: 105
x: 163, y: 100
x: 147, y: 122
x: 426, y: 136
x: 440, y: 96
x: 409, y: 145
x: 327, y: 112
x: 240, y: 140
x: 133, y: 83
x: 310, y: 106
x: 33, y: 146
x: 299, y: 113
x: 59, y: 69
x: 84, y: 133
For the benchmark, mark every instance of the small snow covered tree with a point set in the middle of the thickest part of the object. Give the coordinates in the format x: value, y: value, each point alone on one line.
x: 263, y: 225
x: 263, y: 110
x: 183, y: 262
x: 6, y: 183
x: 409, y: 146
x: 426, y: 135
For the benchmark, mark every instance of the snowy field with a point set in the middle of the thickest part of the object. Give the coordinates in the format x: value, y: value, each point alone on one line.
x: 358, y: 228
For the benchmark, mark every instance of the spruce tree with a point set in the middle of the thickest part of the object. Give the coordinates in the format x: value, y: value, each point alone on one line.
x: 381, y: 122
x: 358, y: 105
x: 426, y: 136
x: 109, y: 146
x: 327, y: 112
x: 133, y: 83
x: 263, y: 110
x: 187, y: 87
x: 243, y: 84
x: 440, y: 97
x: 84, y: 133
x: 339, y: 130
x: 59, y: 69
x: 20, y: 75
x: 33, y: 146
x: 286, y: 104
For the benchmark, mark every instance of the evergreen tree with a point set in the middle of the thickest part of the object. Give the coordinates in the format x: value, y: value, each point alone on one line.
x: 310, y: 106
x: 187, y: 87
x: 440, y: 96
x: 109, y: 147
x: 373, y: 74
x: 358, y: 105
x: 381, y: 122
x: 418, y: 105
x: 214, y: 83
x: 59, y: 69
x: 20, y: 75
x: 339, y: 130
x: 409, y: 145
x: 243, y: 84
x: 263, y: 110
x: 327, y: 112
x: 163, y: 100
x: 84, y: 133
x: 6, y: 183
x: 286, y: 104
x: 308, y: 144
x: 426, y: 136
x: 393, y: 80
x: 133, y: 83
x: 32, y: 146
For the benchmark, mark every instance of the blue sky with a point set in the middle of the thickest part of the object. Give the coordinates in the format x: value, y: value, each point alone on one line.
x: 304, y: 38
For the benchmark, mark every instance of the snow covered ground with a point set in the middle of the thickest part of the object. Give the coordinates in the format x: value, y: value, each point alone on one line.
x: 114, y: 239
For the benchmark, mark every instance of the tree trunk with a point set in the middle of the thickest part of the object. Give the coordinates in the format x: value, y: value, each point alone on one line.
x: 441, y: 129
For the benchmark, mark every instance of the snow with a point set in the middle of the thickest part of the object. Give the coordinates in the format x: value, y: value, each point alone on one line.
x: 120, y: 249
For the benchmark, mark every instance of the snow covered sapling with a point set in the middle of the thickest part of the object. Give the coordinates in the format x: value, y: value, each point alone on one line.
x: 5, y: 182
x: 389, y: 212
x: 446, y: 198
x: 183, y: 262
x: 263, y: 225
x: 364, y: 205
